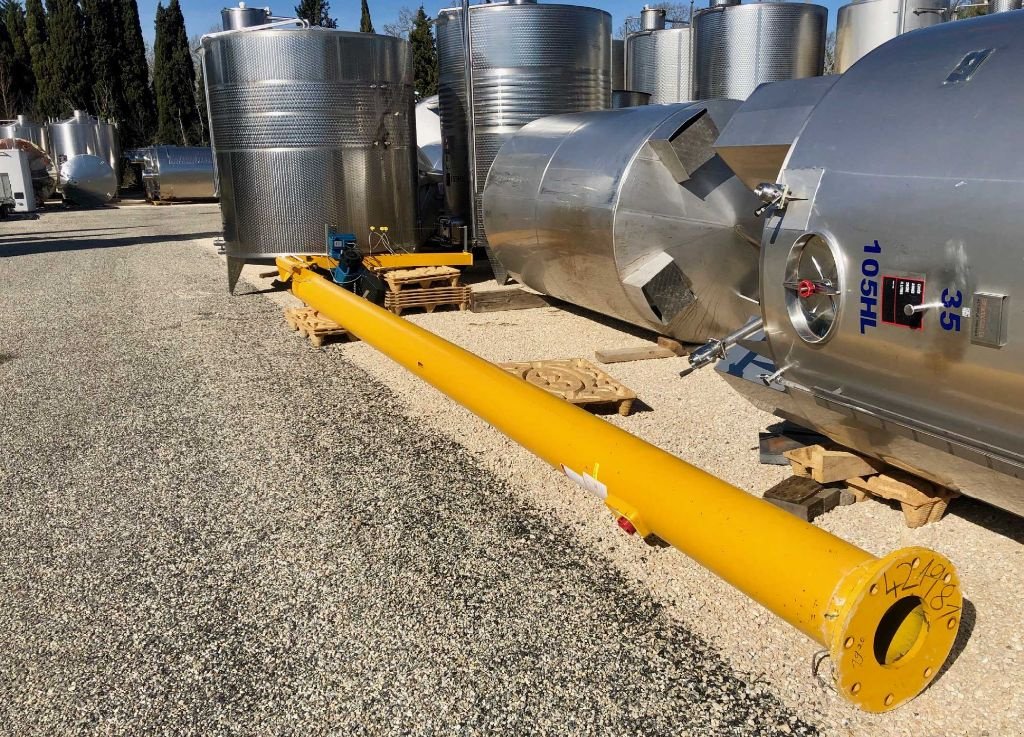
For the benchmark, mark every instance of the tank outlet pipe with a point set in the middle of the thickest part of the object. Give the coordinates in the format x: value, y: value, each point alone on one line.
x: 888, y: 623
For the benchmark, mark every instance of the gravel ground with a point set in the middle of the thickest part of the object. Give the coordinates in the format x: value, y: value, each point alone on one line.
x: 209, y: 526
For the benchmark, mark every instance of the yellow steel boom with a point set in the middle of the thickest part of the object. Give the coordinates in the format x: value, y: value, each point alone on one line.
x: 888, y: 623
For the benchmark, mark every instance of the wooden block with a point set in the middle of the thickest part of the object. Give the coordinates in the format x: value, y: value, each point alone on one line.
x: 828, y: 466
x: 638, y: 353
x: 799, y: 496
x: 502, y: 300
x: 673, y: 345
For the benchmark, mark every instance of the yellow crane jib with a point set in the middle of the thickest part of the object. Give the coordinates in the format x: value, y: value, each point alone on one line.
x: 888, y: 623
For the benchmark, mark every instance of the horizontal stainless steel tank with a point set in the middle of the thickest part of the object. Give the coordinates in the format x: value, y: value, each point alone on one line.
x: 87, y: 181
x: 311, y: 128
x: 629, y: 213
x: 27, y: 130
x: 893, y: 327
x: 529, y: 60
x: 243, y: 16
x: 738, y: 47
x: 179, y: 173
x: 659, y: 59
x: 867, y: 24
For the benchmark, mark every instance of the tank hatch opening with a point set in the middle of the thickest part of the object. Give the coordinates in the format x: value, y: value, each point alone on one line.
x: 664, y: 287
x: 689, y: 148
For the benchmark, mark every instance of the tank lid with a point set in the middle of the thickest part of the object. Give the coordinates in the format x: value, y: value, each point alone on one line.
x: 652, y: 19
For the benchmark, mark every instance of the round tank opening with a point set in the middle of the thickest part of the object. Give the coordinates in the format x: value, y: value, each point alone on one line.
x: 899, y: 631
x: 812, y: 286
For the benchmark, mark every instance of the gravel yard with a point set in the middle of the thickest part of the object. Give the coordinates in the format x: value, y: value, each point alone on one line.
x: 208, y: 526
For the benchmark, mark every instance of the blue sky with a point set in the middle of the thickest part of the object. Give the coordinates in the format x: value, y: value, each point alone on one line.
x: 202, y: 15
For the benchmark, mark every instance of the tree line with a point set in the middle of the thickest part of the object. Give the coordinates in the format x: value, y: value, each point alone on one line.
x: 68, y: 55
x: 90, y: 55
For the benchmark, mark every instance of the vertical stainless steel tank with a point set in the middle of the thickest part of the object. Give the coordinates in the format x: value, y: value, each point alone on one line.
x: 618, y: 64
x: 1002, y: 6
x: 110, y: 146
x: 629, y: 213
x: 27, y: 130
x: 85, y: 135
x: 738, y: 47
x: 528, y: 61
x: 76, y: 136
x: 658, y: 62
x: 867, y: 24
x: 310, y: 128
x: 242, y: 16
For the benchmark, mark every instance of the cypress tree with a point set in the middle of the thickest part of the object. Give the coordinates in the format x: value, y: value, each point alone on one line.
x: 202, y: 131
x: 68, y: 56
x: 139, y: 123
x: 317, y: 12
x: 174, y: 78
x: 365, y: 22
x: 424, y: 55
x: 103, y: 36
x: 8, y: 89
x: 46, y: 102
x: 23, y: 81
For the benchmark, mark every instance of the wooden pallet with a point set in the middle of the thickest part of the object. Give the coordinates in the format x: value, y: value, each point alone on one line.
x: 922, y: 502
x: 428, y: 299
x: 423, y: 277
x: 575, y: 380
x: 311, y: 324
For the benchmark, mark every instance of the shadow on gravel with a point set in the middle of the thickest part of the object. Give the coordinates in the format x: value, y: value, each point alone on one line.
x: 5, y: 357
x: 39, y: 235
x: 991, y: 518
x: 968, y: 617
x: 8, y: 250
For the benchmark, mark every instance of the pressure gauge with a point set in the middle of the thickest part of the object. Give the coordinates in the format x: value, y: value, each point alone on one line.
x: 813, y: 296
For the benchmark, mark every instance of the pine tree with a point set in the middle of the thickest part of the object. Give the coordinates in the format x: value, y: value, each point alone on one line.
x: 365, y: 22
x: 47, y: 103
x: 174, y: 79
x: 103, y: 34
x: 68, y: 57
x: 317, y: 12
x: 139, y: 123
x: 424, y: 55
x: 23, y: 81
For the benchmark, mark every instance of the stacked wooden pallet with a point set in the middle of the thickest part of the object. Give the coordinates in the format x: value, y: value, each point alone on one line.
x: 313, y: 325
x: 428, y: 287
